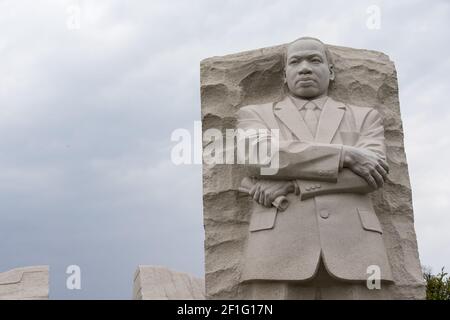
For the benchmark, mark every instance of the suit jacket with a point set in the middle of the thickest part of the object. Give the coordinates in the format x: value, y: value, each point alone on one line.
x: 333, y: 217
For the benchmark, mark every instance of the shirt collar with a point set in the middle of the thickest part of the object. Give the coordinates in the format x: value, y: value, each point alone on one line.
x: 301, y: 103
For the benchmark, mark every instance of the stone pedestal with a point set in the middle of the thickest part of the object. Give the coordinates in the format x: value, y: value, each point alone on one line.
x: 159, y: 283
x: 363, y: 78
x: 28, y: 283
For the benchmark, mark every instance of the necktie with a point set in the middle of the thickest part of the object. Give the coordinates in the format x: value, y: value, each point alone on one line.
x: 311, y: 118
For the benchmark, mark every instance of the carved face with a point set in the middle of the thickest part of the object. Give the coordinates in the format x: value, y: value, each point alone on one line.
x: 308, y: 73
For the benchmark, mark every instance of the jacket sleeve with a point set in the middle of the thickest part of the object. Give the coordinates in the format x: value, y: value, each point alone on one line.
x: 295, y: 159
x: 348, y: 182
x: 372, y: 134
x: 372, y: 139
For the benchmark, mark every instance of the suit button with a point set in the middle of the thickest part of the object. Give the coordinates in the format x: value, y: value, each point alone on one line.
x: 308, y: 188
x: 324, y: 214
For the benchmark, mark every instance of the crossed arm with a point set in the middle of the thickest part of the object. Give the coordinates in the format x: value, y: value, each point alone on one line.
x: 316, y: 168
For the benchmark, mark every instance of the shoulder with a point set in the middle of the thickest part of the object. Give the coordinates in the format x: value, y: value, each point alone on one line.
x: 255, y: 109
x: 353, y: 108
x: 363, y: 116
x: 360, y: 113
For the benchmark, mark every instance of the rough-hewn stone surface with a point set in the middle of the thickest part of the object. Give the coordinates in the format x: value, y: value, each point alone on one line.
x: 364, y: 78
x: 27, y: 283
x: 159, y: 283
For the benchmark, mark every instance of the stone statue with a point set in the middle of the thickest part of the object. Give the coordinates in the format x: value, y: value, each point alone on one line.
x: 335, y: 220
x: 26, y: 283
x: 332, y: 155
x: 160, y: 283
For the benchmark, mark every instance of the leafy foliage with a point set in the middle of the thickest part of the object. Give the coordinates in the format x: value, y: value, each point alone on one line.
x: 438, y: 286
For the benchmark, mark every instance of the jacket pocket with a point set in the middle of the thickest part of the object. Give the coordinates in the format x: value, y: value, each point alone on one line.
x: 262, y: 218
x: 369, y: 220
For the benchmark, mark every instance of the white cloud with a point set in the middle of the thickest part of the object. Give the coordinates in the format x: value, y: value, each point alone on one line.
x: 86, y: 117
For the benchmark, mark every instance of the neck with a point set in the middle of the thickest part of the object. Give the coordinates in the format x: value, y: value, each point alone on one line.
x: 311, y: 98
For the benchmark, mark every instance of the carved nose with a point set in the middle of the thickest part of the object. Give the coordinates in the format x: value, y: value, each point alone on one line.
x: 304, y: 68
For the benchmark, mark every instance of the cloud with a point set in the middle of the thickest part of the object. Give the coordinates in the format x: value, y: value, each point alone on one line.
x: 86, y: 117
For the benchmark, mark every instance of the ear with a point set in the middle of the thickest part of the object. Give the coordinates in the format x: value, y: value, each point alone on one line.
x: 332, y: 75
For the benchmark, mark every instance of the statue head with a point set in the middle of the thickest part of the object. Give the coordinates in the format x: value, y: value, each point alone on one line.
x: 309, y: 68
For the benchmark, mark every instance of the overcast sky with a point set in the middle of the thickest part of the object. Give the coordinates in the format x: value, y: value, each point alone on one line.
x: 89, y: 98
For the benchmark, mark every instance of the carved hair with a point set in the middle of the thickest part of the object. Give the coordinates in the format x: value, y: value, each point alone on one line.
x: 328, y: 54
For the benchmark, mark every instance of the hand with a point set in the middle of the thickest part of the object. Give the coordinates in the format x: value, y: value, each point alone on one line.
x: 266, y: 191
x: 367, y: 165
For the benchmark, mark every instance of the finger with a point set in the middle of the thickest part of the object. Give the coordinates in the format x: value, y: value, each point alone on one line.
x: 378, y: 178
x: 370, y: 180
x: 256, y: 194
x: 267, y: 193
x: 267, y: 197
x: 253, y: 189
x: 273, y: 192
x: 282, y: 188
x: 273, y: 188
x: 261, y: 197
x: 384, y: 164
x: 289, y: 187
x: 381, y: 171
x: 277, y: 194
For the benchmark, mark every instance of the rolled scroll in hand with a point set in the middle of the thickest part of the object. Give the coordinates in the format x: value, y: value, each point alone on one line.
x: 281, y: 202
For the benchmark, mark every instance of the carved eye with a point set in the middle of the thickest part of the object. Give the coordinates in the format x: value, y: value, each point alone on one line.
x: 316, y: 60
x: 293, y: 61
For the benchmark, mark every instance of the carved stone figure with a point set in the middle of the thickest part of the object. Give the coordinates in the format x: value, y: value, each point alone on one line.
x: 160, y: 283
x: 335, y: 154
x: 27, y: 283
x: 313, y: 231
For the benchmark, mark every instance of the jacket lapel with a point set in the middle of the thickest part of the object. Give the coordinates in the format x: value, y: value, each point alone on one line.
x: 329, y: 121
x: 287, y: 112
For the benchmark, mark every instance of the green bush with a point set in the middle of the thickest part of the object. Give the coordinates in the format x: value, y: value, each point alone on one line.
x: 438, y: 286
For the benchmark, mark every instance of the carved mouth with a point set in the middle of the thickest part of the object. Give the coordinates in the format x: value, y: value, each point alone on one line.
x: 306, y: 82
x: 305, y: 79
